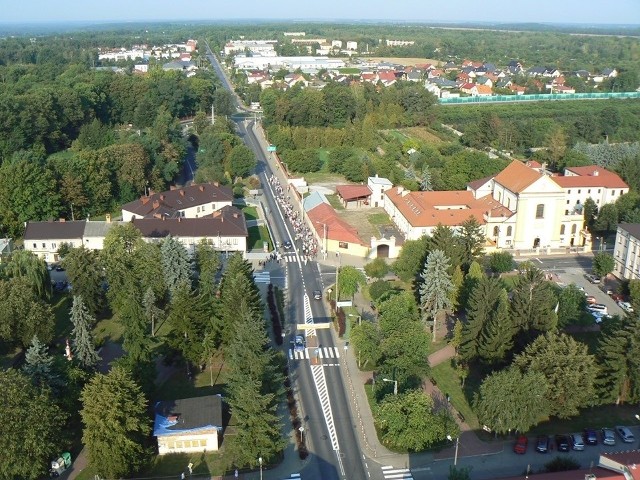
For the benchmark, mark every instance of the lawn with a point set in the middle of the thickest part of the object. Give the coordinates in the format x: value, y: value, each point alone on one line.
x: 250, y: 213
x: 61, y: 304
x: 335, y: 202
x: 349, y: 71
x: 257, y: 236
x: 109, y: 329
x: 379, y: 219
x: 448, y: 382
x: 324, y: 178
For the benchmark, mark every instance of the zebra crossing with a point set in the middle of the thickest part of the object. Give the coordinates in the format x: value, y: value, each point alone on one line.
x: 321, y: 353
x: 293, y: 476
x: 392, y: 473
x: 262, y: 277
x: 289, y: 257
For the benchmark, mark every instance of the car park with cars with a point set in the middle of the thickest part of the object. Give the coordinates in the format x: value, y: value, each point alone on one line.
x: 520, y: 446
x: 590, y: 436
x: 598, y: 307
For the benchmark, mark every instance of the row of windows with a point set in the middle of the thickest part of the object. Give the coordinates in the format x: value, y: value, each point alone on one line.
x: 203, y: 208
x: 185, y: 444
x: 496, y: 231
x: 589, y: 191
x: 574, y: 229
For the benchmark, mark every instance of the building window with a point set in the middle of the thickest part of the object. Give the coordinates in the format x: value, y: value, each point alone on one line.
x: 540, y: 210
x: 35, y: 246
x: 53, y: 245
x: 613, y: 193
x: 589, y: 191
x: 579, y: 191
x: 561, y: 229
x: 44, y: 245
x: 598, y: 190
x: 621, y: 192
x: 574, y: 228
x: 569, y: 192
x: 568, y: 202
x: 344, y: 245
x: 198, y: 210
x: 509, y: 230
x: 566, y: 212
x: 496, y: 231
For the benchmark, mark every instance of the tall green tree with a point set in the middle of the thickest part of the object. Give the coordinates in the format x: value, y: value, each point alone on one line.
x: 33, y: 269
x: 533, y: 303
x: 496, y: 338
x: 510, y: 400
x: 82, y: 344
x: 411, y: 258
x: 207, y: 263
x: 603, y: 264
x: 29, y: 427
x: 377, y: 268
x: 445, y: 239
x: 571, y: 303
x: 409, y: 421
x: 618, y: 357
x: 116, y: 424
x: 152, y: 312
x: 472, y: 240
x: 242, y: 161
x: 607, y: 220
x: 175, y: 264
x: 365, y: 338
x: 436, y: 288
x: 569, y: 369
x: 590, y: 211
x: 85, y: 273
x: 38, y: 365
x: 349, y: 280
x: 188, y: 321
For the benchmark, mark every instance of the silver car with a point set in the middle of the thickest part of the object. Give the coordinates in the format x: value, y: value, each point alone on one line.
x: 625, y: 434
x: 576, y: 442
x: 608, y: 437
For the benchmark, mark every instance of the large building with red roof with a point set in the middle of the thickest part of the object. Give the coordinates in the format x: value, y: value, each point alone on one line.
x: 522, y: 208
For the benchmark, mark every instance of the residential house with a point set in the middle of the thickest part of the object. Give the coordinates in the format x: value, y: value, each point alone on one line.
x: 189, y: 425
x: 192, y: 201
x: 485, y: 81
x: 626, y: 252
x: 378, y: 185
x: 592, y: 181
x: 6, y: 247
x: 609, y: 73
x: 45, y: 238
x: 225, y: 229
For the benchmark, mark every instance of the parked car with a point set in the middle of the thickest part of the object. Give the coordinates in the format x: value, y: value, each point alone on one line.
x: 626, y: 306
x: 608, y: 437
x: 598, y: 307
x: 591, y: 299
x: 562, y: 443
x: 625, y: 434
x: 590, y: 436
x: 597, y: 317
x: 542, y: 444
x: 317, y: 295
x: 521, y: 445
x: 59, y: 268
x: 576, y: 442
x: 592, y: 278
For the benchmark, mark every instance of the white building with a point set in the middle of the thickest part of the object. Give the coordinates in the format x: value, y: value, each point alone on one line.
x: 265, y: 48
x: 378, y: 185
x: 351, y: 45
x: 627, y: 251
x: 305, y: 63
x: 580, y: 183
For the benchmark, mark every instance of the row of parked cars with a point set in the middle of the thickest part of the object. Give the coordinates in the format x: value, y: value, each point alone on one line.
x: 575, y: 441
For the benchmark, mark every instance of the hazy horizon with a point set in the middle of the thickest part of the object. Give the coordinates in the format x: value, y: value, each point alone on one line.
x: 617, y: 12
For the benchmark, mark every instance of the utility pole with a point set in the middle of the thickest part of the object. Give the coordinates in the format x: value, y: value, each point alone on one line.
x: 213, y: 115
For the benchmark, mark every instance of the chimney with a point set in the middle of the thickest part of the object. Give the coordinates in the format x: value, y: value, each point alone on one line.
x: 216, y: 184
x: 201, y: 188
x: 404, y: 192
x: 107, y: 217
x: 400, y: 190
x: 157, y: 215
x: 179, y: 219
x: 144, y: 200
x: 162, y: 197
x: 596, y: 172
x: 182, y: 193
x: 173, y: 187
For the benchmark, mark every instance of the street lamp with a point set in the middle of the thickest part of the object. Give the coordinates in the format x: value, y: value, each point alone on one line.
x: 301, y: 435
x: 455, y: 457
x: 395, y: 385
x: 260, y: 462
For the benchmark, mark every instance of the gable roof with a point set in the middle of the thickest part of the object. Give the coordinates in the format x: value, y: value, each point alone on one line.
x: 632, y: 228
x: 336, y: 228
x: 170, y: 202
x: 589, y: 176
x: 476, y: 184
x: 226, y: 222
x: 174, y: 417
x: 517, y: 176
x: 61, y: 230
x: 353, y: 192
x: 314, y: 199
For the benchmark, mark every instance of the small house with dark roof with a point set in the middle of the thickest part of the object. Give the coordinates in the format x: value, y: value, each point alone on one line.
x: 192, y: 201
x: 189, y: 425
x: 45, y: 238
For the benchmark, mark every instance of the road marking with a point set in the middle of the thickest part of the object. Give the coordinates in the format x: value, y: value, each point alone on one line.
x: 319, y: 379
x: 262, y: 277
x: 390, y: 472
x: 293, y: 476
x: 538, y: 260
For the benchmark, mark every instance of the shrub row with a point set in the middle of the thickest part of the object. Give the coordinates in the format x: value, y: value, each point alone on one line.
x: 275, y: 316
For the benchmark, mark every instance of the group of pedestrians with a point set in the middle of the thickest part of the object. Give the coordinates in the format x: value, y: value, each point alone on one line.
x: 302, y: 233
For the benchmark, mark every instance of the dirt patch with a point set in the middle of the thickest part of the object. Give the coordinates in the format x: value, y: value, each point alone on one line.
x: 359, y: 219
x: 403, y: 61
x: 422, y: 134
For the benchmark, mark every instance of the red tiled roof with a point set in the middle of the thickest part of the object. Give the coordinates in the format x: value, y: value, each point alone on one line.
x: 517, y: 176
x: 476, y: 184
x: 353, y: 192
x: 492, y: 207
x: 336, y: 228
x: 590, y: 176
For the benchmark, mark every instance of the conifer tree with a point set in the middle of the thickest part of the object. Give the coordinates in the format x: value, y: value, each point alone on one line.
x: 39, y: 365
x: 82, y: 344
x: 175, y: 264
x: 436, y: 289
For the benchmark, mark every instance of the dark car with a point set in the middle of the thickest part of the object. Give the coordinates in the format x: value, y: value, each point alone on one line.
x: 542, y: 444
x: 59, y: 268
x: 317, y: 295
x: 590, y: 436
x: 287, y: 245
x: 562, y: 443
x: 521, y: 445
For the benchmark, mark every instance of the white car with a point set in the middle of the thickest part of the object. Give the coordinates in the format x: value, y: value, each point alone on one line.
x: 626, y: 306
x: 598, y: 307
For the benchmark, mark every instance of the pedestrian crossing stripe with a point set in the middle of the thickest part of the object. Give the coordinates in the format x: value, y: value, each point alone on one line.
x: 293, y: 476
x: 262, y: 277
x: 392, y: 473
x: 322, y: 353
x: 290, y: 259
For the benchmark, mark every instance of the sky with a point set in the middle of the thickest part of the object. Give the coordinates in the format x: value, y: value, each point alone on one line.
x: 503, y: 11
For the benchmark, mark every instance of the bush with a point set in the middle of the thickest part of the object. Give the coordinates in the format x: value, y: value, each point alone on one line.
x: 501, y: 262
x: 378, y: 288
x: 377, y: 268
x: 342, y: 322
x: 561, y: 464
